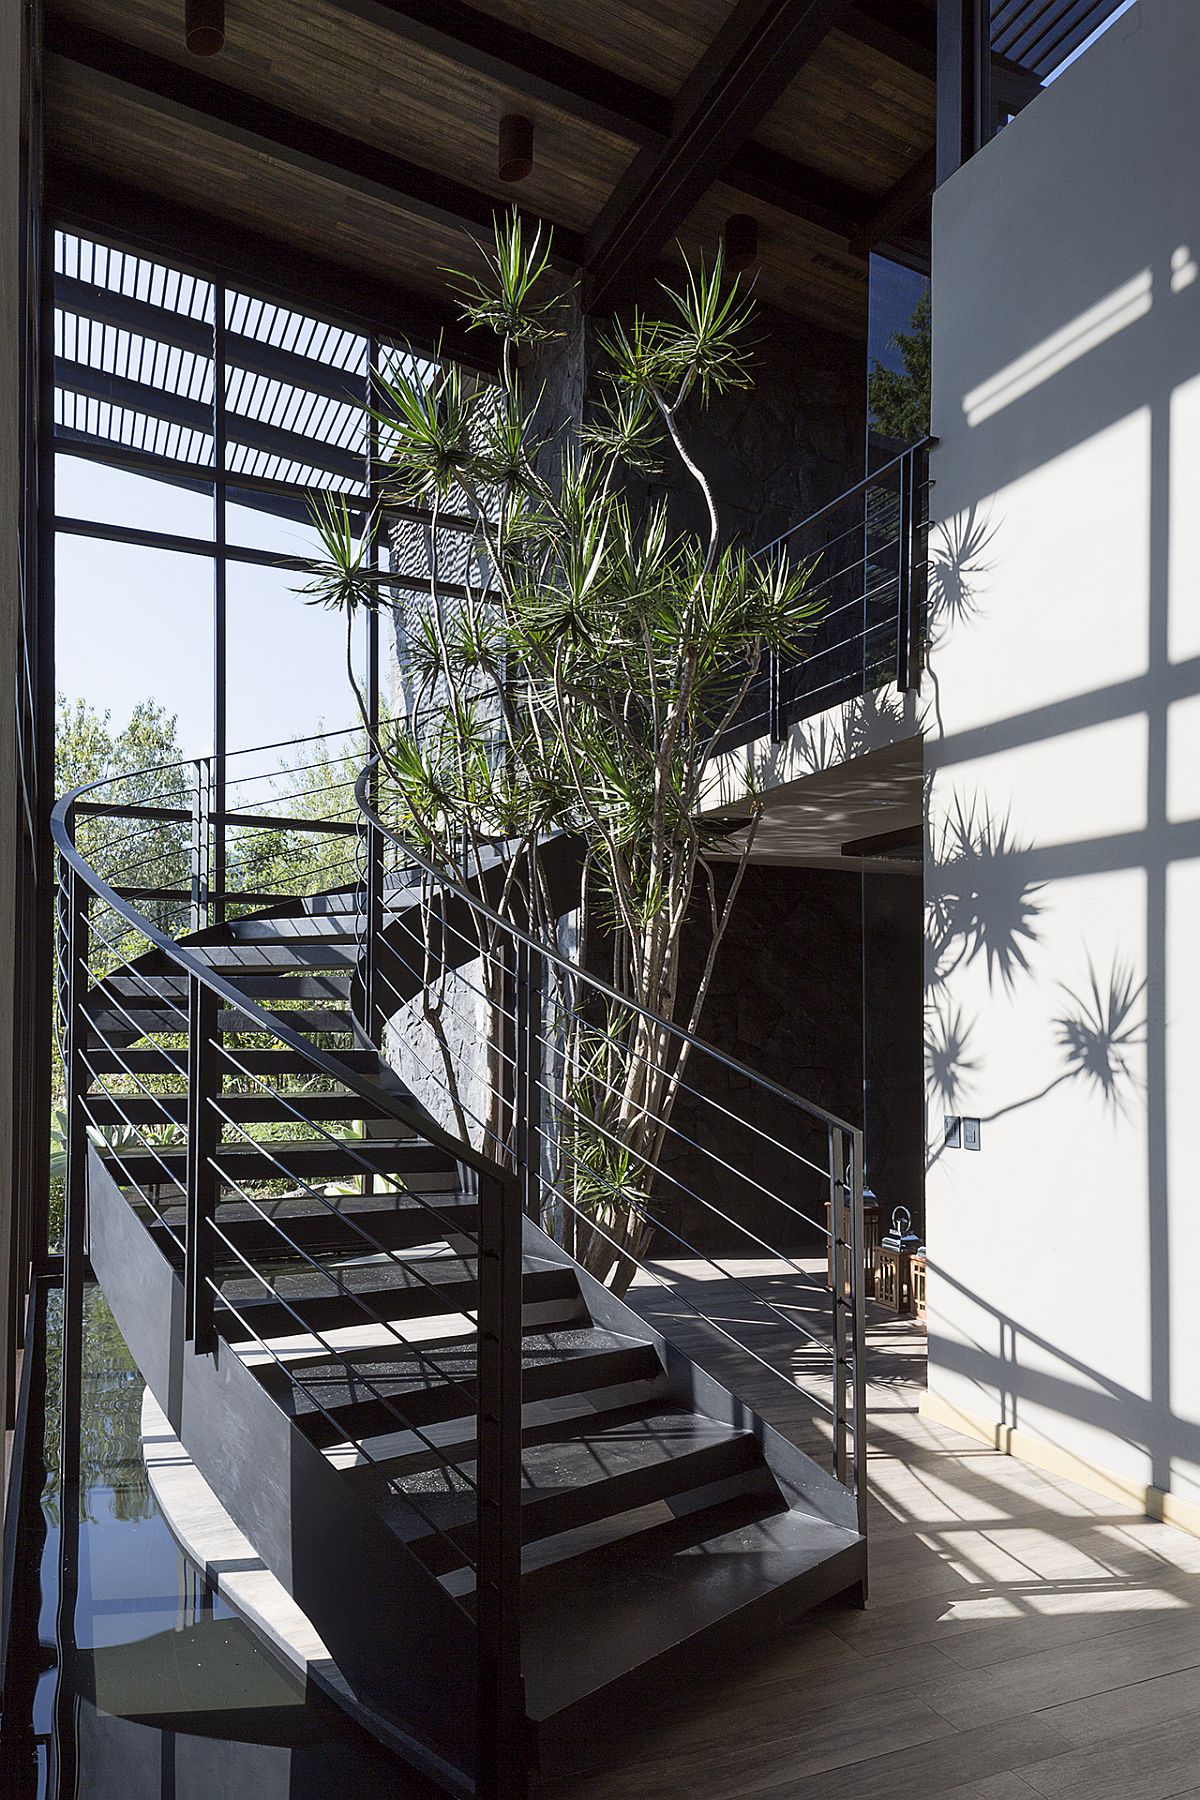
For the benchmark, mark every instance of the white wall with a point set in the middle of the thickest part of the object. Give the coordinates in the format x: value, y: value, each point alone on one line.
x: 1063, y: 874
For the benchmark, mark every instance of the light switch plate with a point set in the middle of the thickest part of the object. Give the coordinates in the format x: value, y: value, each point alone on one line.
x: 952, y: 1130
x: 970, y: 1134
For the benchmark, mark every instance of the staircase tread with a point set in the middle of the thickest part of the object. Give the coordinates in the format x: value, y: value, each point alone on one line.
x: 334, y: 1382
x: 368, y: 1278
x: 591, y: 1619
x: 386, y: 1156
x: 345, y: 1206
x: 663, y: 1442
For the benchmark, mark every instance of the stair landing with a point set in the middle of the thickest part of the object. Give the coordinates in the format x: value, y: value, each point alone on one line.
x: 1026, y: 1636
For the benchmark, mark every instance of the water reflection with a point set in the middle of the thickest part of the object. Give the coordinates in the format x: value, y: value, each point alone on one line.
x: 164, y: 1694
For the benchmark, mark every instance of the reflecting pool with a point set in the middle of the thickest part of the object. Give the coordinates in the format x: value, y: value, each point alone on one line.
x: 129, y: 1677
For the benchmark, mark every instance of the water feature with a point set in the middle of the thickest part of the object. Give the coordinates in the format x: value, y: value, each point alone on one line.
x: 148, y: 1686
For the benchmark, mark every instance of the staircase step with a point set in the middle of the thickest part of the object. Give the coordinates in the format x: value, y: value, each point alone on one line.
x: 244, y: 1109
x: 265, y: 954
x: 349, y: 1224
x: 592, y: 1474
x: 322, y: 1159
x: 159, y: 1060
x: 141, y: 993
x: 395, y: 1290
x: 328, y: 929
x: 144, y: 1021
x: 344, y: 1396
x: 717, y: 1579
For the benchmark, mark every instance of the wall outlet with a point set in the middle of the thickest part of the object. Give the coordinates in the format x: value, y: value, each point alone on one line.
x: 952, y: 1130
x: 970, y: 1134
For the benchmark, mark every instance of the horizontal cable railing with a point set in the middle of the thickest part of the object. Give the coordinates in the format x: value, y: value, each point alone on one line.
x: 633, y: 1141
x: 868, y: 554
x: 168, y: 1052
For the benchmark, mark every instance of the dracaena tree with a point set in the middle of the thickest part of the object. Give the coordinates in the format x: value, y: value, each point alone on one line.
x: 574, y: 675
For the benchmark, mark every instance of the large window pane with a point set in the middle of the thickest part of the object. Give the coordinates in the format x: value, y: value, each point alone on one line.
x: 287, y: 660
x: 84, y: 489
x: 135, y: 625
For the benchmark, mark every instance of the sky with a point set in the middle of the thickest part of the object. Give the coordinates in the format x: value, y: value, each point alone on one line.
x: 136, y: 623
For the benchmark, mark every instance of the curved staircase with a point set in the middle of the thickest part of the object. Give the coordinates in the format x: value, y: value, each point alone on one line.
x: 499, y: 1493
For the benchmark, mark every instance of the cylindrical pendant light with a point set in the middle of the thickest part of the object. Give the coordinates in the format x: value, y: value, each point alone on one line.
x: 204, y: 26
x: 516, y: 147
x: 741, y: 242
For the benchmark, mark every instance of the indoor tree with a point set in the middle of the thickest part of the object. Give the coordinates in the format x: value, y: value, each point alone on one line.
x: 576, y: 676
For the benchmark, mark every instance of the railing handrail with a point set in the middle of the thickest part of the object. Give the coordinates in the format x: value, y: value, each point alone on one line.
x: 860, y: 487
x: 577, y: 973
x: 272, y: 1025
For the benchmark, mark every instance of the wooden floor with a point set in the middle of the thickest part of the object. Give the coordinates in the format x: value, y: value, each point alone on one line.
x: 1024, y: 1636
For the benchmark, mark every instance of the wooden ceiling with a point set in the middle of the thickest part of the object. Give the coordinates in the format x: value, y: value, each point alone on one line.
x: 352, y: 144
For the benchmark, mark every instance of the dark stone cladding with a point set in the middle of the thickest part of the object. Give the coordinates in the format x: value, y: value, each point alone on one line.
x: 774, y: 451
x: 785, y: 1000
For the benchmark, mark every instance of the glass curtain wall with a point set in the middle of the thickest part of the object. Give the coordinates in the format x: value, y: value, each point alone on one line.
x: 194, y: 424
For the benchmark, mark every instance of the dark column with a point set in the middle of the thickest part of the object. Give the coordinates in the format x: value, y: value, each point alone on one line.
x: 963, y: 82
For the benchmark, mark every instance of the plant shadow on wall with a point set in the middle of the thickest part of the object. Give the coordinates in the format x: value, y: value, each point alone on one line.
x: 956, y: 569
x: 984, y: 905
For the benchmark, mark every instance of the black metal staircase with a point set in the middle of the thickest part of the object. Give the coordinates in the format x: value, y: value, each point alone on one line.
x: 499, y: 1494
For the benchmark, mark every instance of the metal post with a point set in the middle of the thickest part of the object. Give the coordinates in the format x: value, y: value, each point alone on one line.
x: 853, y: 1189
x: 904, y: 557
x: 75, y: 1195
x: 502, y: 1772
x: 527, y: 1086
x: 220, y: 737
x: 964, y: 109
x: 839, y: 1247
x: 71, y: 1368
x: 918, y: 563
x: 372, y: 1008
x: 203, y: 1139
x: 201, y: 833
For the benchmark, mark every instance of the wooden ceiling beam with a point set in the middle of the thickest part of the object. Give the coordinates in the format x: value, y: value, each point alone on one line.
x: 902, y: 30
x: 82, y: 199
x: 137, y: 78
x: 521, y: 61
x: 585, y: 91
x: 750, y: 62
x: 910, y: 193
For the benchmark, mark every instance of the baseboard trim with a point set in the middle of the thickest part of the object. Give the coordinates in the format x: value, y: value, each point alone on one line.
x: 1153, y: 1502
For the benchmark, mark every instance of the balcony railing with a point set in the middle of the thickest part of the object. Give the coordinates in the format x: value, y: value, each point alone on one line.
x: 868, y: 548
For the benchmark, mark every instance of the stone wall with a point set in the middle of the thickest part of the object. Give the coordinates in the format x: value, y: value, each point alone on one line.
x: 774, y: 452
x: 786, y: 1000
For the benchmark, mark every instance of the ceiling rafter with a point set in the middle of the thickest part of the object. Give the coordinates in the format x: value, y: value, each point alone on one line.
x: 898, y: 205
x: 741, y: 75
x: 518, y: 59
x: 594, y: 95
x: 902, y: 30
x: 135, y: 77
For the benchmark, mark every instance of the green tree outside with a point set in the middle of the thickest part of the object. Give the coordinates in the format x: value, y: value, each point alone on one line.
x: 899, y: 399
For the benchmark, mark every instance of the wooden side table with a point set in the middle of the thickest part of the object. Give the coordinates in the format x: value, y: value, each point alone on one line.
x: 893, y: 1279
x: 917, y: 1272
x: 872, y: 1232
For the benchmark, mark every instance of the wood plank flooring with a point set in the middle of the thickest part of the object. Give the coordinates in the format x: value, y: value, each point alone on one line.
x: 1025, y: 1637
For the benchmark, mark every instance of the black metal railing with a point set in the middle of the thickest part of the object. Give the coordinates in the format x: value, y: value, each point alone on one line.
x: 869, y: 556
x: 547, y: 1068
x: 630, y: 1140
x: 159, y: 1046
